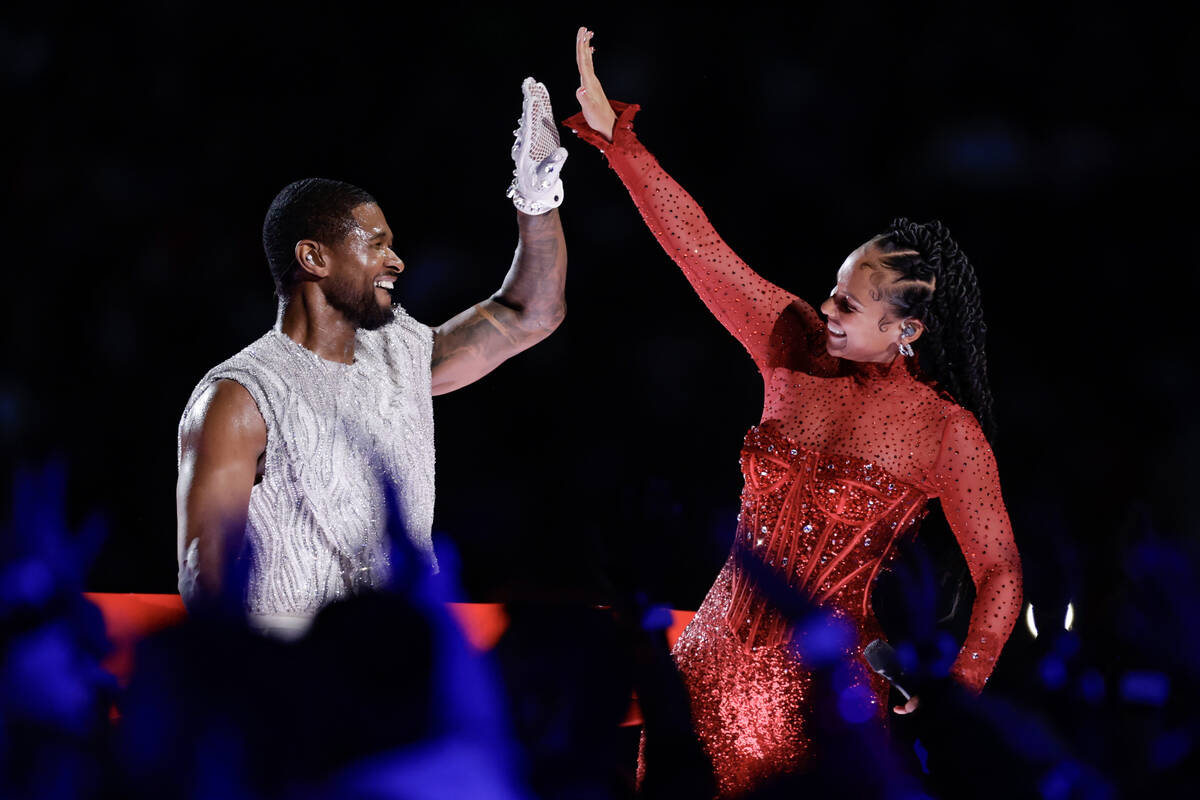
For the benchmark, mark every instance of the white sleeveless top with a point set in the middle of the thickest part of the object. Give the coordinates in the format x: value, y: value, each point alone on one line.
x: 334, y: 433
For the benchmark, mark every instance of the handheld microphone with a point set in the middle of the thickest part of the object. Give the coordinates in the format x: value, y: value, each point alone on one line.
x: 882, y: 658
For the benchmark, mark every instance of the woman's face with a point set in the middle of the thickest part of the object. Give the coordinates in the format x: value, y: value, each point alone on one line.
x: 860, y: 322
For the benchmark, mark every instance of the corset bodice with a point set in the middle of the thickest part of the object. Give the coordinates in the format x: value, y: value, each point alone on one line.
x: 825, y: 523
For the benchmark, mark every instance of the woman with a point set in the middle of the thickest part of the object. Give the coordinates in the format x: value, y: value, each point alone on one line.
x: 851, y: 446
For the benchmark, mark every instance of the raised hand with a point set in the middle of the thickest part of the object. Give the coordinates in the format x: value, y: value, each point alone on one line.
x: 590, y: 94
x: 536, y: 187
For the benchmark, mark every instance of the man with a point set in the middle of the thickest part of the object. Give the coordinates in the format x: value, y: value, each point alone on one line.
x: 290, y: 440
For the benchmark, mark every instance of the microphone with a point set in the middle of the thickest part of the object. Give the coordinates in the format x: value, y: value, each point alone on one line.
x: 882, y: 658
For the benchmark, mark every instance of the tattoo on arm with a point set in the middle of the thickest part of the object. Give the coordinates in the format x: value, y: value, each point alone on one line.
x: 528, y: 307
x: 534, y: 285
x: 497, y: 324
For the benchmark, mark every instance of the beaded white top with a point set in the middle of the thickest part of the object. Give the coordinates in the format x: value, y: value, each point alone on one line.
x: 335, y: 433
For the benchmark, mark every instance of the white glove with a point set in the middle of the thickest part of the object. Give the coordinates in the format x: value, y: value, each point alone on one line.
x: 536, y: 187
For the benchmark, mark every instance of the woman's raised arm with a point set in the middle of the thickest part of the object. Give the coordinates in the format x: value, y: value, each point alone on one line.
x: 773, y: 325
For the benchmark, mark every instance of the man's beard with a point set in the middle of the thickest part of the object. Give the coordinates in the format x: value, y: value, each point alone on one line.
x: 361, y: 309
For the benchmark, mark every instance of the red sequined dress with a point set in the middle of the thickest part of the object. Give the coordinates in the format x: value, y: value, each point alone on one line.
x: 838, y: 470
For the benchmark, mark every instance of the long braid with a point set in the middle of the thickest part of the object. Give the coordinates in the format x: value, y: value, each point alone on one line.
x: 936, y: 284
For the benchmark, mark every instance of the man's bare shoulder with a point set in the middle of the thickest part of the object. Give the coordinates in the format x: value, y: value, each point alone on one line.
x: 223, y: 413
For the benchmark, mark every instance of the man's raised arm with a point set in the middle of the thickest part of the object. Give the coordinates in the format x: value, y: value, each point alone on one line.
x: 527, y: 309
x: 531, y: 302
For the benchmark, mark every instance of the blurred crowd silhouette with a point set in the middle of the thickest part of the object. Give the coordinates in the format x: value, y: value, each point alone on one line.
x: 384, y: 698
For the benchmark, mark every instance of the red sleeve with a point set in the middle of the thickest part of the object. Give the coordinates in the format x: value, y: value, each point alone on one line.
x: 966, y: 480
x: 777, y: 328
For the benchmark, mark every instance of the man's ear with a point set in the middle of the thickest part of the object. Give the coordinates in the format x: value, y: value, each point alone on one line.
x: 310, y: 259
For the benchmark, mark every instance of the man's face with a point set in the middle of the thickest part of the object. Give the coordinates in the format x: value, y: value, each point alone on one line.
x: 363, y: 271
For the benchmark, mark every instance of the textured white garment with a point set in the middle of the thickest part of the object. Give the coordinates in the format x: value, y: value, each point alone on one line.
x: 334, y: 431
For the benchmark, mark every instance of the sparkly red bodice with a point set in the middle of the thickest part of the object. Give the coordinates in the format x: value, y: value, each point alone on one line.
x: 840, y: 467
x: 826, y: 523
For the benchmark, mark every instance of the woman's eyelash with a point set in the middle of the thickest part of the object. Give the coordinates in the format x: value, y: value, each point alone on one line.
x: 843, y: 304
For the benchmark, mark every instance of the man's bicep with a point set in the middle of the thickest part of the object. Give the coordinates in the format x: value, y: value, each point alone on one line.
x: 220, y: 444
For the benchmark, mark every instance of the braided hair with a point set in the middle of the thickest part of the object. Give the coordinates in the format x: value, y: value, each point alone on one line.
x: 925, y: 258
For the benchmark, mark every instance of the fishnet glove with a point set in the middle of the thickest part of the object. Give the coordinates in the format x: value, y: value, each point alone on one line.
x: 536, y: 187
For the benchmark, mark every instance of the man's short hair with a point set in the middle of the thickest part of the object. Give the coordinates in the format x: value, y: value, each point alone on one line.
x: 313, y: 208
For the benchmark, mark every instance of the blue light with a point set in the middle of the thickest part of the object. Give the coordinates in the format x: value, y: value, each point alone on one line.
x: 1169, y: 749
x: 823, y: 638
x: 656, y: 618
x: 988, y: 152
x: 1053, y: 672
x: 1091, y: 686
x: 907, y: 653
x: 28, y: 582
x: 857, y: 704
x: 1066, y: 644
x: 843, y: 677
x: 947, y: 651
x: 1072, y: 779
x: 1145, y: 687
x: 922, y: 755
x: 1058, y: 782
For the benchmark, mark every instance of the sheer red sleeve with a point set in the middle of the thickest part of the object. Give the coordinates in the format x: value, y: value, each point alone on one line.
x: 777, y: 328
x: 966, y: 480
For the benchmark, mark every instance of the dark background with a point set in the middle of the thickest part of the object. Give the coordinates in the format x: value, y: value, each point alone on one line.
x: 145, y: 143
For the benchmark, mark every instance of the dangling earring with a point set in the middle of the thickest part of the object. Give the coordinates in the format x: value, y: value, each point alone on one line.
x: 905, y: 347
